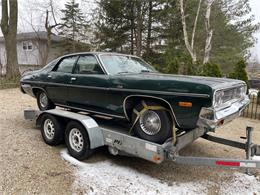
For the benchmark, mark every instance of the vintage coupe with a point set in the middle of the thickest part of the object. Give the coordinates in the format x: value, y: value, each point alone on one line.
x: 126, y: 87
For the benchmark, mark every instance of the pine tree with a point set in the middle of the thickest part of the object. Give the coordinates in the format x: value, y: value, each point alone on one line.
x: 239, y: 72
x: 74, y: 26
x: 211, y: 70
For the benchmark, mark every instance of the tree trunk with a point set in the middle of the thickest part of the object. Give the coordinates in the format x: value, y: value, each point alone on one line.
x: 149, y: 26
x: 209, y: 32
x: 132, y: 28
x: 189, y: 46
x: 9, y: 29
x: 139, y: 30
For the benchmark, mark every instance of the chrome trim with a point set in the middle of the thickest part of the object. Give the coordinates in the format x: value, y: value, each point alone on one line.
x: 223, y: 89
x: 215, y: 117
x: 124, y: 102
x: 82, y: 109
x: 126, y: 90
x: 27, y: 89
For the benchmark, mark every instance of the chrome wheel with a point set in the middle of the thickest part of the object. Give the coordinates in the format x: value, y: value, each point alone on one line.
x: 43, y: 100
x: 76, y: 140
x: 49, y: 129
x: 150, y: 122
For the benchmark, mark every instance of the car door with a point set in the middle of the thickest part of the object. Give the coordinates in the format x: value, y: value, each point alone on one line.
x: 59, y: 78
x: 89, y: 85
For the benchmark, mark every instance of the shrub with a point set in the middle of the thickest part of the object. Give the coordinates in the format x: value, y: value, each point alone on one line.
x: 239, y: 72
x: 211, y: 70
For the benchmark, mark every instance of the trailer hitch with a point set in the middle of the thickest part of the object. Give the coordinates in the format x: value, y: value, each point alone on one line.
x: 250, y: 149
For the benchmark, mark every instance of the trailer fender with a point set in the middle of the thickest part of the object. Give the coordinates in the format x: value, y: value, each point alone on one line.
x: 94, y: 131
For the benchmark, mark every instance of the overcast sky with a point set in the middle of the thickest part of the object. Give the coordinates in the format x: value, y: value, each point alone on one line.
x: 29, y: 12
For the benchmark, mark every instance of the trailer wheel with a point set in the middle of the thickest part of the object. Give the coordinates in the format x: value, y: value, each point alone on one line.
x: 153, y: 125
x: 51, y: 130
x: 77, y: 141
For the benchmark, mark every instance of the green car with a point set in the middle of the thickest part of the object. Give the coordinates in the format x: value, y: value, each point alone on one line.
x: 126, y: 87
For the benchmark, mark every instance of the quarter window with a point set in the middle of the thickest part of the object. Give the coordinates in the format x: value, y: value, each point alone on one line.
x: 88, y: 65
x: 66, y: 65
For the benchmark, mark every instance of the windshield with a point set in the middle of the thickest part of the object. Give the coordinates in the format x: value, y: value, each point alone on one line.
x: 119, y: 64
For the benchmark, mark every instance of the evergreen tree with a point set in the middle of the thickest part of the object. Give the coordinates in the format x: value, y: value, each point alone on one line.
x: 211, y: 70
x: 73, y: 27
x: 239, y: 72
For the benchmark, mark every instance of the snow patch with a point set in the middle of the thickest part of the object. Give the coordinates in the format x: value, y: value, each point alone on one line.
x: 256, y: 158
x: 241, y: 184
x: 108, y: 178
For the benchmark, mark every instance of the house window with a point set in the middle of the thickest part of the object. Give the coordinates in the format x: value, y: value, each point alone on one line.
x: 27, y: 45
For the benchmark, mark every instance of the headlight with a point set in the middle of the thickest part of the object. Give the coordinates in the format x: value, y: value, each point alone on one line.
x: 240, y: 92
x: 218, y: 98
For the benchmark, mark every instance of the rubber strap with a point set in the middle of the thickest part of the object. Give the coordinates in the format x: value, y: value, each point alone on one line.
x: 145, y: 108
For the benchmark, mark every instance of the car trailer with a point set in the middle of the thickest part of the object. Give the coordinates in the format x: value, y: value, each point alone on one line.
x: 120, y: 141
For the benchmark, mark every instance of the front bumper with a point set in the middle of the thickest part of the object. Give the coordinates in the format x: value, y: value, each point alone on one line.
x: 211, y: 119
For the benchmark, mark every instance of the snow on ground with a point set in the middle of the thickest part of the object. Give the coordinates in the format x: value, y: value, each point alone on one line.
x: 107, y: 178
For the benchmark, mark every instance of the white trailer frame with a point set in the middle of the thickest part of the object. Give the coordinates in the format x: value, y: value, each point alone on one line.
x: 120, y: 141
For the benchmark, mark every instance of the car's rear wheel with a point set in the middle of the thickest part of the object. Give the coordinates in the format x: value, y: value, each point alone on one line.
x: 43, y: 102
x: 154, y: 125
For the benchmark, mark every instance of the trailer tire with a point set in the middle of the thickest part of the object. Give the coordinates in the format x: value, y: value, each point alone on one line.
x: 77, y: 141
x: 143, y: 128
x: 52, y: 130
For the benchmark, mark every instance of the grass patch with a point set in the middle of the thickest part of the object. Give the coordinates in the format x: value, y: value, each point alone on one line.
x: 9, y: 83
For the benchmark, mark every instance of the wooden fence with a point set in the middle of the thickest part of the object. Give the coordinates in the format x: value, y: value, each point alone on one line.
x: 253, y: 109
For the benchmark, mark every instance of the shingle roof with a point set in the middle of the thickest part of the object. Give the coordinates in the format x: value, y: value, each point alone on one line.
x: 40, y: 35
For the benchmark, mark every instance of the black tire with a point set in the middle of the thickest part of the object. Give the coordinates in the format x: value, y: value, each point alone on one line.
x: 84, y: 151
x: 49, y: 105
x: 51, y: 136
x: 164, y: 129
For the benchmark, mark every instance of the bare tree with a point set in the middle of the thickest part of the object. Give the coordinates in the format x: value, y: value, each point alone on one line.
x: 209, y: 31
x: 9, y: 29
x: 190, y: 45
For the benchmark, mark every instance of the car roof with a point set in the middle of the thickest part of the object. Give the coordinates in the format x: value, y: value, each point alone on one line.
x: 97, y: 53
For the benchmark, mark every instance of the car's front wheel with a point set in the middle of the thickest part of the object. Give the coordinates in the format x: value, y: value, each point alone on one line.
x: 154, y: 125
x: 43, y: 102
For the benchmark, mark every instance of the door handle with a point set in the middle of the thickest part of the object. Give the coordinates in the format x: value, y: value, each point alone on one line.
x: 73, y: 79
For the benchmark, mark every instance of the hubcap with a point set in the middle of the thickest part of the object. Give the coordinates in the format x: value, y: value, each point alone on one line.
x: 150, y: 122
x: 43, y: 100
x: 49, y: 129
x: 76, y: 139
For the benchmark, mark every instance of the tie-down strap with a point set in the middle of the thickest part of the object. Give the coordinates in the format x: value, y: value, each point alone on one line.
x: 145, y: 108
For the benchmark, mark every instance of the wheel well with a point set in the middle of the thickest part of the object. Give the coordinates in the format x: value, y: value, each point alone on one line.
x: 131, y: 102
x: 36, y: 91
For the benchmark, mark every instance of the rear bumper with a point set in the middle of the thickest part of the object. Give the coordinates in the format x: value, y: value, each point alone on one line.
x: 211, y: 119
x: 26, y: 88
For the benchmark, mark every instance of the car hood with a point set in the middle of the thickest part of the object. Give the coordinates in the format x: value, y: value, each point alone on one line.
x: 212, y: 82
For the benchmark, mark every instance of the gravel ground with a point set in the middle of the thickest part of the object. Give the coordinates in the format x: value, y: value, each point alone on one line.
x: 28, y: 166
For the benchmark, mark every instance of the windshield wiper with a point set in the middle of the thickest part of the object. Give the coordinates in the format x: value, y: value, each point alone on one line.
x: 145, y: 71
x: 123, y: 72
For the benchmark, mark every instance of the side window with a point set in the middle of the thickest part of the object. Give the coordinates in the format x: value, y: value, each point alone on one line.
x: 88, y: 65
x: 66, y: 64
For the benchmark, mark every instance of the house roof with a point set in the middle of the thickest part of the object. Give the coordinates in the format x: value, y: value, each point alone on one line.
x: 40, y: 35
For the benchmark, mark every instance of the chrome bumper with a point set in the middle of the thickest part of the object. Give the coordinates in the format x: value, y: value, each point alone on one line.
x: 26, y: 88
x: 211, y: 119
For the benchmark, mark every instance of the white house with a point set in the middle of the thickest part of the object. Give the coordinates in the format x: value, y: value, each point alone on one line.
x: 31, y: 49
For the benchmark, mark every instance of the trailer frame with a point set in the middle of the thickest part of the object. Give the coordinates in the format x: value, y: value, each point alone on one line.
x: 121, y: 142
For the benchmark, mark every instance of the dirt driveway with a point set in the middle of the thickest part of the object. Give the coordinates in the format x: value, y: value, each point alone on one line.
x: 28, y: 166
